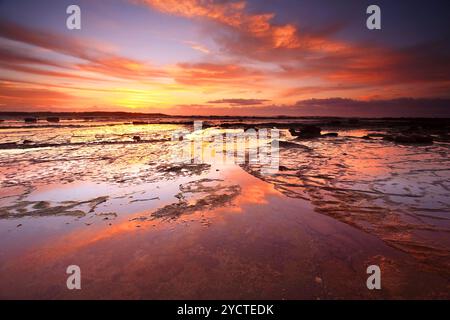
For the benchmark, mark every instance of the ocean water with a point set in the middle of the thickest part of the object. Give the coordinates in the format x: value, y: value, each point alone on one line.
x: 141, y: 223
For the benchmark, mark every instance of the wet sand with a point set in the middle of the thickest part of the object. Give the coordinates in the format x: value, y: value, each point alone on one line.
x: 141, y: 227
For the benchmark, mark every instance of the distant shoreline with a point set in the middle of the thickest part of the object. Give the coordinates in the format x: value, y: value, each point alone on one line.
x: 140, y: 115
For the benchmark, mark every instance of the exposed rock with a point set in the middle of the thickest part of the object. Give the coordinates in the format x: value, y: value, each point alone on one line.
x: 30, y: 120
x: 376, y: 135
x: 334, y: 123
x: 205, y: 196
x: 306, y: 131
x: 445, y: 137
x: 137, y: 138
x: 27, y: 141
x: 53, y: 119
x: 45, y: 208
x: 414, y: 128
x: 409, y: 139
x: 330, y: 134
x: 290, y: 145
x: 183, y: 169
x: 8, y: 145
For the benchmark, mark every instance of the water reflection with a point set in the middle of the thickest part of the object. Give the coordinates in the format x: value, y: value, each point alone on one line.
x: 147, y: 226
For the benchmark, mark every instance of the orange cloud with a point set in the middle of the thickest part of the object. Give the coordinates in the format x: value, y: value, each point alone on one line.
x: 15, y: 95
x: 120, y: 67
x: 96, y: 59
x: 233, y: 14
x: 240, y: 102
x: 198, y: 47
x: 311, y: 56
x: 216, y: 73
x: 254, y: 59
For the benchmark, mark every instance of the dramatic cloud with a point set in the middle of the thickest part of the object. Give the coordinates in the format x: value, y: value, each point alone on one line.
x: 198, y: 47
x: 233, y: 14
x: 215, y: 51
x: 304, y: 54
x: 216, y: 73
x: 256, y: 29
x: 14, y: 95
x: 96, y: 59
x: 401, y: 107
x: 335, y: 107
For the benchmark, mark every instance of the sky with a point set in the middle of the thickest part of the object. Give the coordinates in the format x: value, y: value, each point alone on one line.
x: 206, y: 57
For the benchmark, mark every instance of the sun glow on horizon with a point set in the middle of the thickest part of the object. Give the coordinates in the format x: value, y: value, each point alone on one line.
x: 192, y: 57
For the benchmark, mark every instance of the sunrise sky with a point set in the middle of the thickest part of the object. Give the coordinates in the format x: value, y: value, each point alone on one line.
x: 226, y: 57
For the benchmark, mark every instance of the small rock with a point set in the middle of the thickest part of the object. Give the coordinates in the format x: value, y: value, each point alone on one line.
x: 330, y: 134
x: 289, y: 145
x: 137, y: 138
x: 409, y: 139
x: 306, y: 131
x: 8, y: 145
x: 318, y: 280
x: 53, y: 119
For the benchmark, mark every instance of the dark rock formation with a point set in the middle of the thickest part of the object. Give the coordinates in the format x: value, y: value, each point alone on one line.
x: 306, y: 131
x: 330, y: 134
x: 409, y: 139
x: 290, y: 145
x: 8, y: 145
x: 53, y: 119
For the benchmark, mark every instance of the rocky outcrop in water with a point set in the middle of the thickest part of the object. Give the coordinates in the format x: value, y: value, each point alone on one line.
x: 310, y: 131
x: 330, y: 134
x: 409, y: 138
x: 306, y: 131
x: 53, y: 119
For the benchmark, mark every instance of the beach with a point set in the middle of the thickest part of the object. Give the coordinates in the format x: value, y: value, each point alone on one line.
x: 111, y: 197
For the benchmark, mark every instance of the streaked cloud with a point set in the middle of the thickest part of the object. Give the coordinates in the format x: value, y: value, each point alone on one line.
x: 240, y: 102
x: 198, y: 47
x: 234, y: 54
x: 335, y: 107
